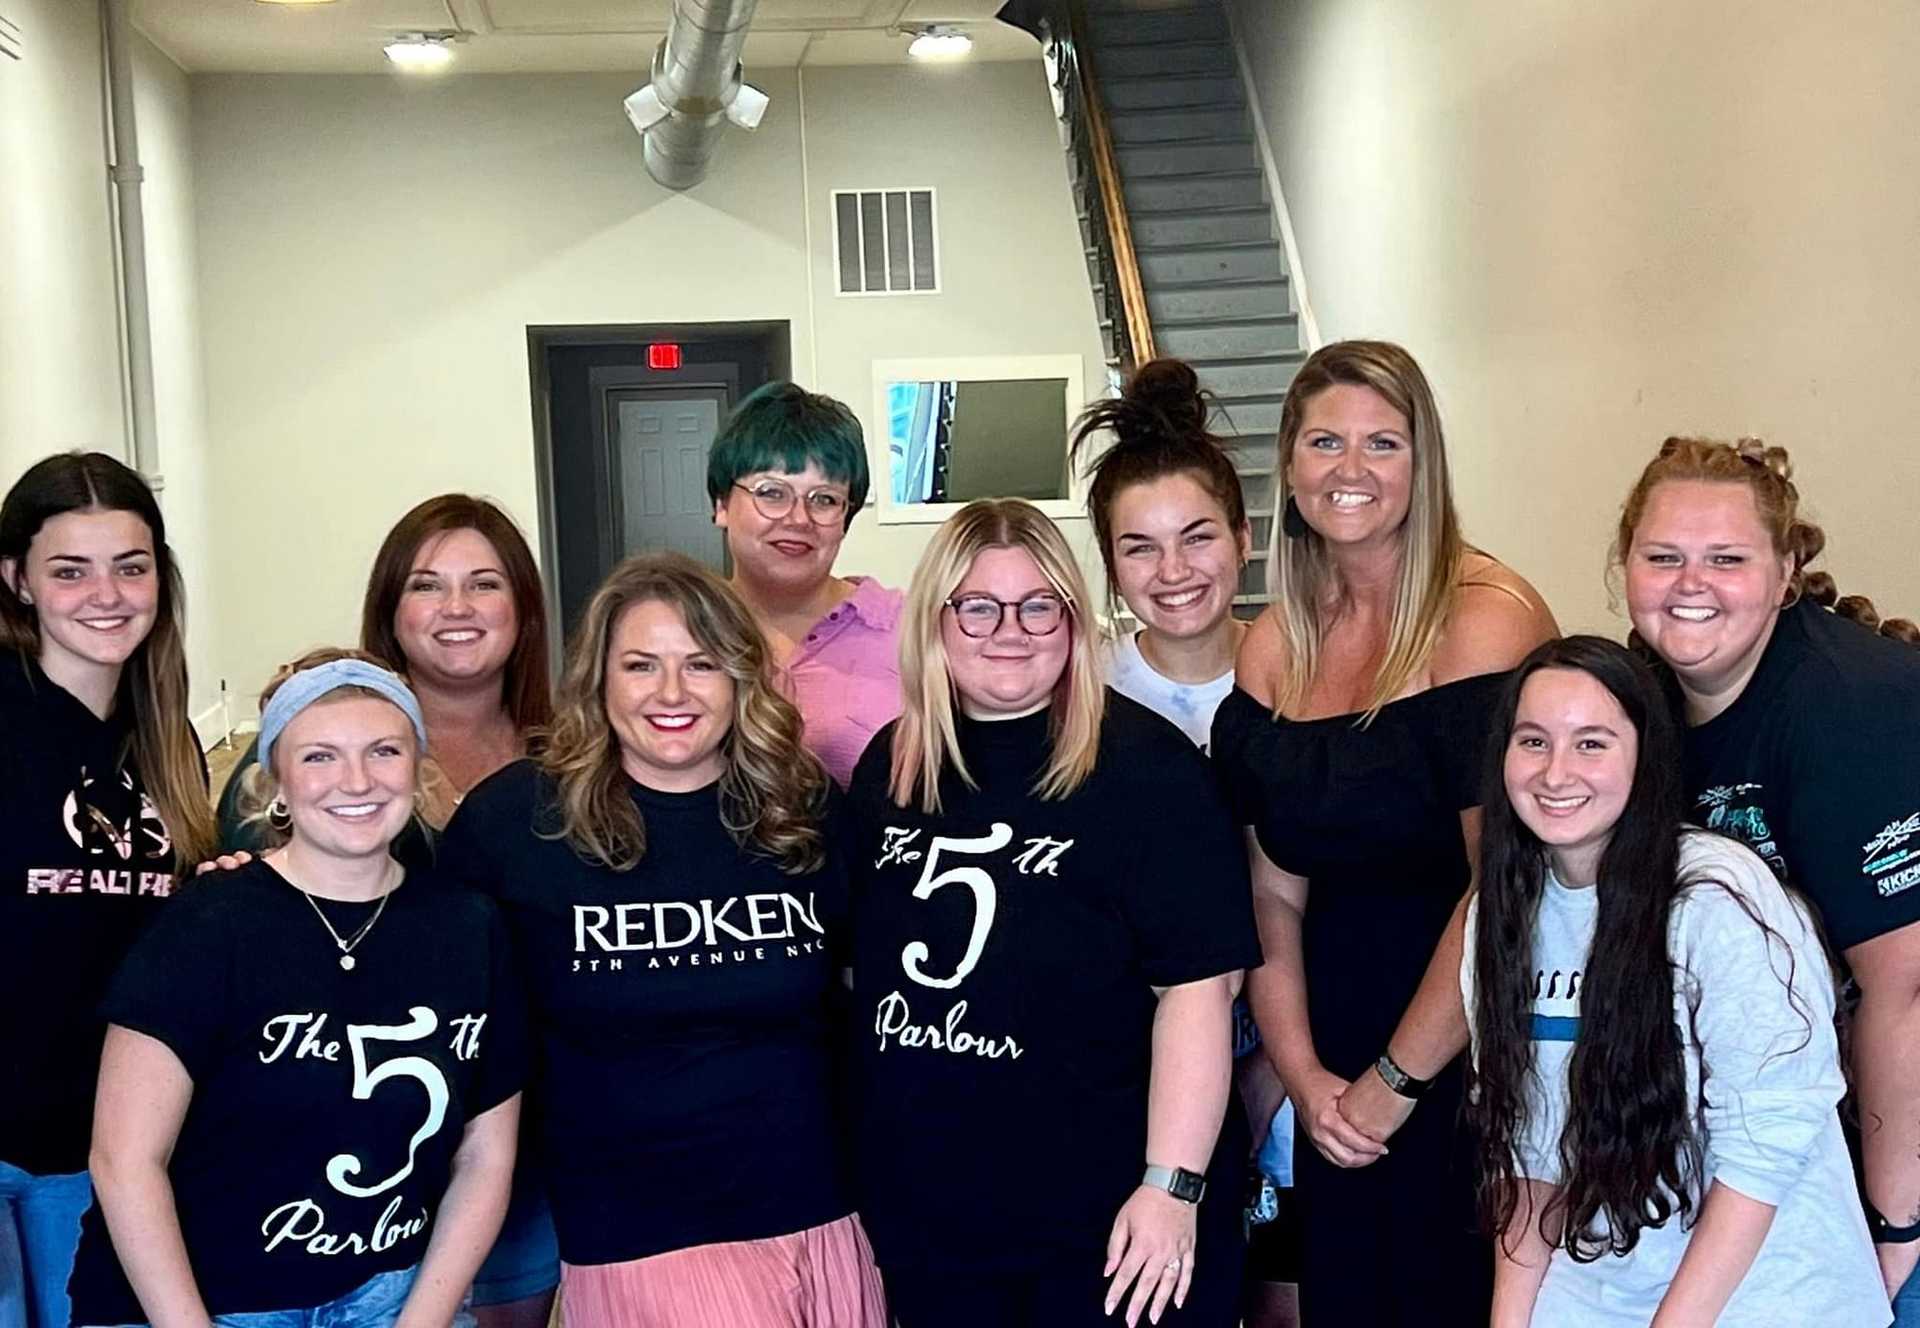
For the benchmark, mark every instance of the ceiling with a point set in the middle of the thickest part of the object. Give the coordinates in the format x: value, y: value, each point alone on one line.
x: 546, y: 36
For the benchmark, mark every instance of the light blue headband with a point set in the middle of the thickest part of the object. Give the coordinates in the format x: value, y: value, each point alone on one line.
x: 309, y: 685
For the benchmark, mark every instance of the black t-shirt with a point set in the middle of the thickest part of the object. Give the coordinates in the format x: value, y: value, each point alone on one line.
x: 327, y: 1104
x: 1816, y: 767
x: 85, y: 863
x: 680, y: 1093
x: 1005, y: 956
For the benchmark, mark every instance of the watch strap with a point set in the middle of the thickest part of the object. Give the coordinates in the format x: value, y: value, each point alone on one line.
x: 1885, y: 1233
x: 1398, y: 1080
x: 1186, y: 1186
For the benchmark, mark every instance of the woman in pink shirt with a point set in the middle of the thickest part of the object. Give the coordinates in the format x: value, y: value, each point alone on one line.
x: 787, y: 474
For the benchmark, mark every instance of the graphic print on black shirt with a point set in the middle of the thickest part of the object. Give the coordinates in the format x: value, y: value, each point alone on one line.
x: 1006, y: 953
x: 1816, y: 767
x: 85, y: 863
x: 679, y: 1011
x: 327, y: 1105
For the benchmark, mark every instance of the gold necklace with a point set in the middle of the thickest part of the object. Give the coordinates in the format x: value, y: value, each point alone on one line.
x: 347, y: 943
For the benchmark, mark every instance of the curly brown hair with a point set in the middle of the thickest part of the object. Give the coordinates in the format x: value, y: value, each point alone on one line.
x: 773, y: 792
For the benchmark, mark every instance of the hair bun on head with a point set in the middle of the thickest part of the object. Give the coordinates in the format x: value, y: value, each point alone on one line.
x: 1169, y: 389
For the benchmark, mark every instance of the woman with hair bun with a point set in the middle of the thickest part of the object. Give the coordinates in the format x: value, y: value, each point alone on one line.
x: 668, y: 871
x: 1803, y: 740
x: 1171, y: 520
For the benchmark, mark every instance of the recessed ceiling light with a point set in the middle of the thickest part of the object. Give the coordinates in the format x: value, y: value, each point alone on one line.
x: 940, y: 43
x: 420, y: 52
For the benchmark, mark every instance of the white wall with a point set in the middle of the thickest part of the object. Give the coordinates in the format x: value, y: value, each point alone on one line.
x: 60, y: 335
x: 373, y: 251
x: 1597, y: 225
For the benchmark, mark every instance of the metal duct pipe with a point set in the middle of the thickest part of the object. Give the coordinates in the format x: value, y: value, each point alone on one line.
x: 127, y: 175
x: 695, y: 90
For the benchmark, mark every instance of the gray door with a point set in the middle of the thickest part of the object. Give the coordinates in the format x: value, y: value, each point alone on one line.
x: 661, y: 442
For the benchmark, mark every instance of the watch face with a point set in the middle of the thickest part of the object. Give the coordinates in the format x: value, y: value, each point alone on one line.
x: 1187, y: 1186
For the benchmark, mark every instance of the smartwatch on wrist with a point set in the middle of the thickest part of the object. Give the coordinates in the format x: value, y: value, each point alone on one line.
x: 1398, y: 1081
x: 1186, y: 1186
x: 1885, y: 1233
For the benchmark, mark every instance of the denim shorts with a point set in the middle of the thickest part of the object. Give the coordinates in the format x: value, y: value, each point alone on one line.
x: 375, y: 1303
x: 39, y: 1231
x: 525, y: 1258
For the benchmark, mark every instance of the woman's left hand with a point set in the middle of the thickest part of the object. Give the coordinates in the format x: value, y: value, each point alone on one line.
x: 1152, y: 1241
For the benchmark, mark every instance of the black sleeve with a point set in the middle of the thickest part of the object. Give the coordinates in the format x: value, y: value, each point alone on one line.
x: 503, y: 1068
x: 1851, y: 832
x: 237, y: 835
x: 1232, y: 728
x: 829, y: 881
x: 461, y: 853
x: 1187, y: 896
x: 175, y: 984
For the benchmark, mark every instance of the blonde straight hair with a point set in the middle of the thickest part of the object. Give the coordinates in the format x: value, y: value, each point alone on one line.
x: 926, y: 741
x: 773, y: 791
x: 1300, y: 574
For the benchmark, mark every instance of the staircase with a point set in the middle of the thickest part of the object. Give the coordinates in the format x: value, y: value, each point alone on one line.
x: 1203, y: 226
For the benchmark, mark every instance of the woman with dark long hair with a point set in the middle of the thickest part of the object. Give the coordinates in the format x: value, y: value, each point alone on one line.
x: 103, y: 799
x: 1655, y: 1068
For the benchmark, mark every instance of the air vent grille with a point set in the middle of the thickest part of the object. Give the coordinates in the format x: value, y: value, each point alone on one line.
x: 886, y: 241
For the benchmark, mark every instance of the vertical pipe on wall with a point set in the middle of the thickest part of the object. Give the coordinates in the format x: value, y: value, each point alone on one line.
x: 124, y: 169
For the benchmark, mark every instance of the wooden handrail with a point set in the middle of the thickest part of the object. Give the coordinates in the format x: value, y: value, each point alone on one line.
x: 1133, y: 295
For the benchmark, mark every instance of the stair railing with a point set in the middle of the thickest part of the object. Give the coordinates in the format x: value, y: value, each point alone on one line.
x: 1062, y: 25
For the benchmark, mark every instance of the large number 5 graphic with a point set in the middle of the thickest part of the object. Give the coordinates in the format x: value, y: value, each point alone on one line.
x: 984, y: 900
x: 342, y: 1166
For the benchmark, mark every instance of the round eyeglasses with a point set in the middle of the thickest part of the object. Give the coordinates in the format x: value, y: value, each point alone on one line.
x: 773, y: 500
x: 980, y: 615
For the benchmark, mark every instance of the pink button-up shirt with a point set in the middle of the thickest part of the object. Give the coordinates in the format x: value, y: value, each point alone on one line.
x: 845, y: 676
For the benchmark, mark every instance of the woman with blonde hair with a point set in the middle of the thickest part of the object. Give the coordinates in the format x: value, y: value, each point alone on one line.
x: 311, y: 1085
x: 669, y: 873
x: 1353, y: 742
x: 1051, y: 917
x: 103, y: 797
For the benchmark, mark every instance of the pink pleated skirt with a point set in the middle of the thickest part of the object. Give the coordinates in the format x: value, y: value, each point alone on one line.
x: 823, y: 1277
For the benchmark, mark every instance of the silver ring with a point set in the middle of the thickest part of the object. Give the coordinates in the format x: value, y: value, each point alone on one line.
x: 1173, y: 1264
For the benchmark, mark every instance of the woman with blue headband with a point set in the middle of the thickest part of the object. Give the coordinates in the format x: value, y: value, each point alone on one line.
x: 311, y: 1085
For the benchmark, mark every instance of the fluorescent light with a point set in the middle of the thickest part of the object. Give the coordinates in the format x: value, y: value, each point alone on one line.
x: 420, y: 52
x: 940, y: 44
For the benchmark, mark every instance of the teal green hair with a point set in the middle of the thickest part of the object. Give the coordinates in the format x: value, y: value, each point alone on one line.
x: 784, y: 427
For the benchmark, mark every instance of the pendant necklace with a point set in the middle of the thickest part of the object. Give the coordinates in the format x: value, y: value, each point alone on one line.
x: 347, y: 943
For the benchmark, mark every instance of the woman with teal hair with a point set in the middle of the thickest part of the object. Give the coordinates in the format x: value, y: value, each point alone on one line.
x: 787, y: 475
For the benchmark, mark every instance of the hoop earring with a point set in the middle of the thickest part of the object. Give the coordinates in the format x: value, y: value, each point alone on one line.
x: 1292, y: 524
x: 278, y: 814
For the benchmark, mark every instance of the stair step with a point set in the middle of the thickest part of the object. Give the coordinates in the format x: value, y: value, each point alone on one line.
x: 1139, y: 93
x: 1203, y: 225
x: 1220, y: 299
x: 1139, y: 27
x: 1171, y: 59
x: 1201, y: 338
x: 1254, y: 414
x: 1248, y: 376
x: 1174, y: 125
x: 1204, y: 157
x: 1187, y: 193
x: 1188, y: 264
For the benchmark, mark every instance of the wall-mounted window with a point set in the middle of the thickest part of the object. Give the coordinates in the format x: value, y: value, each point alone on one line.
x: 886, y: 242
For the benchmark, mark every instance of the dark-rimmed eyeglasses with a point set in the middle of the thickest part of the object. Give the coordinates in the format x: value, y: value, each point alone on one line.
x: 773, y: 500
x: 980, y: 615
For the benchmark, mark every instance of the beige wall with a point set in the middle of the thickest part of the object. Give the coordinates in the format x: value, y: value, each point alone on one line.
x: 374, y: 250
x: 1597, y: 225
x: 60, y: 349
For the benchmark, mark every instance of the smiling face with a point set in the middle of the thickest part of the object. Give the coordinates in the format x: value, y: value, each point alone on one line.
x: 1007, y: 672
x: 1704, y: 586
x: 1176, y: 561
x: 457, y: 621
x: 669, y: 701
x: 789, y: 554
x: 347, y: 768
x: 1569, y: 767
x: 1351, y: 465
x: 91, y: 579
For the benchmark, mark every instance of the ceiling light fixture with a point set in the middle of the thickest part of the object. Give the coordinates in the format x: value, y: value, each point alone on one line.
x: 940, y: 43
x: 421, y: 52
x: 293, y: 4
